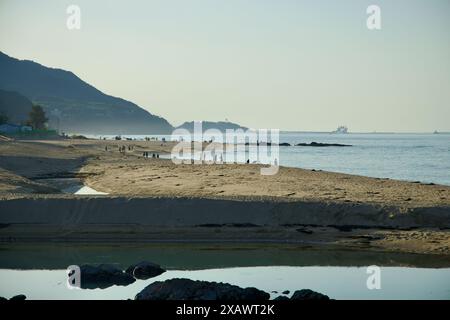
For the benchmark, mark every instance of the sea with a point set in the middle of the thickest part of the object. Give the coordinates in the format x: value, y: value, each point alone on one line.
x: 423, y: 157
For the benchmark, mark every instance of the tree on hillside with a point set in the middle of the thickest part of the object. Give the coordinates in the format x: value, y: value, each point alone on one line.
x: 3, y: 118
x: 37, y: 118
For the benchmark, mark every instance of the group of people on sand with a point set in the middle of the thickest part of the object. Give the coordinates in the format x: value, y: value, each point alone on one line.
x: 145, y: 154
x: 122, y: 149
x: 219, y: 159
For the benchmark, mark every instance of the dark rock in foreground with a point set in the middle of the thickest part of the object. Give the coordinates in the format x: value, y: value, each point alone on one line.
x: 19, y: 297
x: 145, y: 270
x: 307, y: 294
x: 319, y: 144
x: 286, y: 292
x: 103, y: 276
x: 185, y: 289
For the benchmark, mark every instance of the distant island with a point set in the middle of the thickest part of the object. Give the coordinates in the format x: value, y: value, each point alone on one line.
x: 206, y: 125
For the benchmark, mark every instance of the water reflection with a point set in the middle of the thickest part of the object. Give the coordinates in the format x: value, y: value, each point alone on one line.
x: 202, y: 256
x: 336, y: 282
x: 39, y: 270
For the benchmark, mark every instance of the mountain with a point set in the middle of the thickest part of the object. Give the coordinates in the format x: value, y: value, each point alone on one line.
x: 221, y: 125
x: 74, y: 105
x: 15, y: 106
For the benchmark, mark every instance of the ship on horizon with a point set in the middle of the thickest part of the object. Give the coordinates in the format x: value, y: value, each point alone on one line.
x: 341, y: 129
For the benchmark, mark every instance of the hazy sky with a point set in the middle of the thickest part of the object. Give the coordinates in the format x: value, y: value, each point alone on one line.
x: 292, y: 65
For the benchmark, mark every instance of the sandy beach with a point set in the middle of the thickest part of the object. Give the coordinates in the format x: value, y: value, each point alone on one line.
x: 156, y: 200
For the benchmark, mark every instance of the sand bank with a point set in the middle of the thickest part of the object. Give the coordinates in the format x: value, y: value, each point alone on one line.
x: 188, y: 212
x: 105, y: 219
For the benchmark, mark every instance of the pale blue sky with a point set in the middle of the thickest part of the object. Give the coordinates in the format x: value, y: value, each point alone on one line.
x: 292, y: 65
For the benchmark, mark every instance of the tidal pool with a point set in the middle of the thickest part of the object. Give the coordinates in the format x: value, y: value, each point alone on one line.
x: 39, y: 271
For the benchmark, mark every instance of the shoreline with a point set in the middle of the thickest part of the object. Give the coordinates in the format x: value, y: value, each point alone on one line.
x: 156, y: 200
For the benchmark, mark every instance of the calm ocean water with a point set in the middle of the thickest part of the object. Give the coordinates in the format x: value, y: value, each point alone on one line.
x: 411, y: 157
